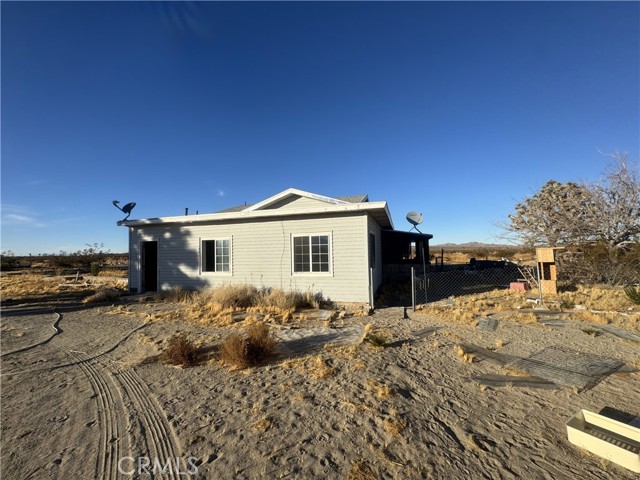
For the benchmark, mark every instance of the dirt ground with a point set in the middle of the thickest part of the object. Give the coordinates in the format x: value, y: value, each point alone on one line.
x: 79, y: 398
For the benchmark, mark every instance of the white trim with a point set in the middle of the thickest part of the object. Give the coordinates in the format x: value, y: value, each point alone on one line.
x: 291, y: 192
x: 310, y: 273
x: 366, y: 207
x: 201, y: 254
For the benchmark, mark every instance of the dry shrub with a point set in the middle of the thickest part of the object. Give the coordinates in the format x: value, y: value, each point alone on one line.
x: 263, y: 425
x: 229, y: 295
x: 103, y: 295
x: 249, y: 350
x: 177, y: 294
x: 180, y: 351
x: 595, y: 317
x: 464, y: 356
x: 600, y: 297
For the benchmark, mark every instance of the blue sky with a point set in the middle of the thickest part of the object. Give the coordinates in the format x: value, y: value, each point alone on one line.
x: 457, y: 110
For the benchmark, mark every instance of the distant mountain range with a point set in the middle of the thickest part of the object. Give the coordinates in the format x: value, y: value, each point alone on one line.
x: 476, y: 246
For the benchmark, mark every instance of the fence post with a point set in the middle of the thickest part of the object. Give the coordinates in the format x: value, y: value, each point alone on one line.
x: 413, y: 289
x: 539, y: 284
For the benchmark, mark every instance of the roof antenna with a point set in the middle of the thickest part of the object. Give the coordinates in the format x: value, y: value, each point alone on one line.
x: 415, y: 219
x: 126, y: 209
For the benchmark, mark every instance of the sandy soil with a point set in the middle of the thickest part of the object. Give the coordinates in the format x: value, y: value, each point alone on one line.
x: 77, y: 400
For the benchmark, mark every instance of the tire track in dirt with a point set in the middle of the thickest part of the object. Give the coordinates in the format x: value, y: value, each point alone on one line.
x: 56, y: 331
x: 110, y: 415
x: 71, y: 364
x: 159, y: 434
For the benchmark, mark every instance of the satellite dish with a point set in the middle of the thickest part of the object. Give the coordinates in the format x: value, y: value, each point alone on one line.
x: 415, y: 219
x: 126, y: 209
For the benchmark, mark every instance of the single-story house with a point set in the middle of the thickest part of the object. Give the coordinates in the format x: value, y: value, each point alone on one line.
x: 294, y: 240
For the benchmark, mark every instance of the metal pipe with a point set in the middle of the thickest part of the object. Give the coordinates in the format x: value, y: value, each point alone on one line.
x: 413, y: 289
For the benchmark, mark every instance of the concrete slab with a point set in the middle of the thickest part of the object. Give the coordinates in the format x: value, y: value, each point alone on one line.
x: 487, y: 324
x: 304, y: 340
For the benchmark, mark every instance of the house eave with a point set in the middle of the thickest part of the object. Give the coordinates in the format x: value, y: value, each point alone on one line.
x: 378, y: 210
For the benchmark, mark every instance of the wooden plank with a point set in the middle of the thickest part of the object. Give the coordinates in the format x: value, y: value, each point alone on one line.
x: 512, y: 381
x: 484, y: 354
x: 618, y: 332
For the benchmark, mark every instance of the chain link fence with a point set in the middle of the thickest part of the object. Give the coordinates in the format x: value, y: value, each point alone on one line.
x: 432, y: 286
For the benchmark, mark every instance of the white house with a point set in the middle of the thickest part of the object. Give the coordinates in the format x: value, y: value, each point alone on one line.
x: 294, y: 240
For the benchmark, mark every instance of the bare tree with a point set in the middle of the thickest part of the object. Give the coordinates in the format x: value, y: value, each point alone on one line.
x: 618, y: 203
x: 571, y: 213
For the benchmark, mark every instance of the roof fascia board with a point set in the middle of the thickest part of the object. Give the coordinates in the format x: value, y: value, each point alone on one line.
x: 247, y: 215
x: 293, y: 191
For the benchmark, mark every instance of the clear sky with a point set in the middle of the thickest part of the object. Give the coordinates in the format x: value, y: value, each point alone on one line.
x: 457, y: 110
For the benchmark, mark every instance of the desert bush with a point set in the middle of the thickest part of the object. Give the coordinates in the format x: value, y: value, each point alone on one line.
x: 376, y: 340
x: 633, y: 294
x: 248, y: 350
x: 8, y: 261
x: 566, y: 302
x: 599, y: 263
x: 103, y: 295
x: 180, y: 351
x: 95, y: 268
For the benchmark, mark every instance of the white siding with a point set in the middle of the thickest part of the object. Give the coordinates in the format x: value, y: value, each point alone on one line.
x: 261, y: 255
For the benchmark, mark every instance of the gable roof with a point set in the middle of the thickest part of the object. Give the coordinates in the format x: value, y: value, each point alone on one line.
x: 293, y: 192
x: 325, y: 205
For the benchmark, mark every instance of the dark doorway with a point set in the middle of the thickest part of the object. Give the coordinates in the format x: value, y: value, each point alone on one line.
x: 149, y: 267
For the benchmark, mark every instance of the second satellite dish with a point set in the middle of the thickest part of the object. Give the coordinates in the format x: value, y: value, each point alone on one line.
x: 126, y: 209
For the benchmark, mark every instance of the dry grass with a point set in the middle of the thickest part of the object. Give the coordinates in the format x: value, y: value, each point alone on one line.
x: 393, y: 426
x: 263, y: 425
x: 466, y: 309
x: 600, y: 297
x: 320, y: 368
x: 381, y: 391
x: 248, y: 350
x: 19, y: 286
x: 218, y: 305
x: 464, y: 356
x: 180, y: 351
x: 103, y: 295
x: 29, y: 285
x: 361, y: 470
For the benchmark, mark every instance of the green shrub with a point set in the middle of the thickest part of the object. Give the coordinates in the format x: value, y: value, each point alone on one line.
x: 633, y: 294
x: 95, y: 268
x: 566, y: 302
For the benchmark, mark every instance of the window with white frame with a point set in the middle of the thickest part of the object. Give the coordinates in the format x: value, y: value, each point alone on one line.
x: 311, y: 254
x: 216, y: 255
